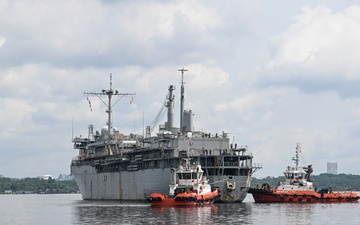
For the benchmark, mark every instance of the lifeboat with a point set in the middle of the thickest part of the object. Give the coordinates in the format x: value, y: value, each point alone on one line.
x: 298, y: 188
x: 189, y: 187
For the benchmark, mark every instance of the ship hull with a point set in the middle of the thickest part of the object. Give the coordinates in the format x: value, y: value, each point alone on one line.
x: 183, y: 199
x: 138, y: 185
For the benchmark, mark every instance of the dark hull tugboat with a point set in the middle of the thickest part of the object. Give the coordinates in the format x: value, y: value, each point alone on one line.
x: 298, y: 188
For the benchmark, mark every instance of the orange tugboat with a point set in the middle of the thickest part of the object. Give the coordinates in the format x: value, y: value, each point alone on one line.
x: 189, y: 187
x: 298, y: 188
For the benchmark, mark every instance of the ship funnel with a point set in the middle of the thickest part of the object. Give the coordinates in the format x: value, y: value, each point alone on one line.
x: 188, y: 121
x: 170, y: 108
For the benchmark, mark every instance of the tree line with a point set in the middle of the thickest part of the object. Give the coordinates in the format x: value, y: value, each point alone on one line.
x: 37, y: 185
x: 338, y: 182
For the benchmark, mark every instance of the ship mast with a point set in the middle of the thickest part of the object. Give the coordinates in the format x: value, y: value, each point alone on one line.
x: 182, y: 99
x: 109, y: 93
x: 296, y: 158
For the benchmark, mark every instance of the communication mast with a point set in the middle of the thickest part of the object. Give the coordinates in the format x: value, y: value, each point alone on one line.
x: 182, y: 99
x: 109, y: 93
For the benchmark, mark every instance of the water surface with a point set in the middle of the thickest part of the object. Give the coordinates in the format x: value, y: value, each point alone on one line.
x: 71, y: 209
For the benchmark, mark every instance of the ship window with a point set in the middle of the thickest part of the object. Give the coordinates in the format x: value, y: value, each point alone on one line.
x: 212, y: 172
x: 194, y: 176
x: 244, y: 172
x: 230, y: 172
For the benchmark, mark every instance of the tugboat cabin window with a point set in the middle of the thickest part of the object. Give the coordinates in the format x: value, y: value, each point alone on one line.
x: 187, y: 176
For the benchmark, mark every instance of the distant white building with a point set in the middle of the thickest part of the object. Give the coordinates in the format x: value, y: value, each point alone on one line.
x: 46, y: 177
x: 332, y: 167
x: 65, y: 177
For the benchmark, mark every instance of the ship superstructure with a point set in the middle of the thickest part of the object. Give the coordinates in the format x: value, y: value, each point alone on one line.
x: 113, y: 165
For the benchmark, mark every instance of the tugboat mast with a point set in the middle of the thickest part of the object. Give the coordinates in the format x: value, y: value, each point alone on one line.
x: 182, y: 99
x: 109, y: 93
x: 296, y: 158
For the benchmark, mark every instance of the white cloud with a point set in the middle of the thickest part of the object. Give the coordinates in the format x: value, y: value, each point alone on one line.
x: 320, y: 46
x: 53, y: 52
x: 2, y: 41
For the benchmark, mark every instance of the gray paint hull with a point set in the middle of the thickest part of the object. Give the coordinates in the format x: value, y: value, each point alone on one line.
x: 138, y: 185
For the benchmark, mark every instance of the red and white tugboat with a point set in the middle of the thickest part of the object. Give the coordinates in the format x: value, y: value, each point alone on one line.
x: 189, y: 187
x: 298, y: 188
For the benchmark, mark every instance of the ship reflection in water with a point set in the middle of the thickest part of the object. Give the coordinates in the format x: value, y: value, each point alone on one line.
x: 112, y: 212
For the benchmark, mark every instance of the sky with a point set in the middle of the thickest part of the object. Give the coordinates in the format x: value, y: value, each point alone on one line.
x: 270, y: 73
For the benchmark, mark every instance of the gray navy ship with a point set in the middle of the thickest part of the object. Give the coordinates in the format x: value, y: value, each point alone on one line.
x: 115, y: 166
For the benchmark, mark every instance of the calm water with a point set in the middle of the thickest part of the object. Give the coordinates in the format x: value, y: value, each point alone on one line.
x: 71, y: 209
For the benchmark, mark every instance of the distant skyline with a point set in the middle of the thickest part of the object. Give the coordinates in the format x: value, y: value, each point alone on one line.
x: 270, y: 73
